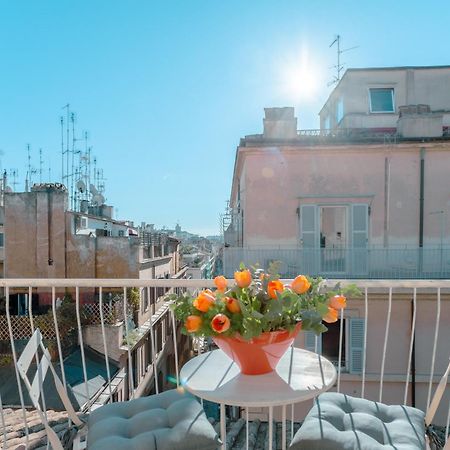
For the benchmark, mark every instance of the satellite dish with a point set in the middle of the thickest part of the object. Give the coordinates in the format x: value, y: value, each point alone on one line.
x: 98, y: 199
x: 93, y: 189
x: 81, y: 186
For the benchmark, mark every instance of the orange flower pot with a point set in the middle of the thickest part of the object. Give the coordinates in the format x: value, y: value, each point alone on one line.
x: 259, y: 355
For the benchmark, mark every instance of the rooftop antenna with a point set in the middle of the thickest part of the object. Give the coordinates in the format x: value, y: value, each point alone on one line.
x: 30, y: 172
x: 41, y: 162
x: 14, y: 173
x: 339, y: 66
x: 66, y: 151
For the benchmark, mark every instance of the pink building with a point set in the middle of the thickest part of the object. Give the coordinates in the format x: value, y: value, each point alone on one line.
x: 367, y: 202
x: 366, y: 196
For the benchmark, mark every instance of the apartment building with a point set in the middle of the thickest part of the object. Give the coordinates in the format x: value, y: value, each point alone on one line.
x: 46, y: 240
x: 365, y: 196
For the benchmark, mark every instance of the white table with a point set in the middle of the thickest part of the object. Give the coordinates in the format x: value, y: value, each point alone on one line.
x: 301, y: 375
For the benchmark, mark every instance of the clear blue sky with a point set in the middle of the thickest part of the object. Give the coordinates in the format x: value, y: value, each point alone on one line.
x: 166, y: 88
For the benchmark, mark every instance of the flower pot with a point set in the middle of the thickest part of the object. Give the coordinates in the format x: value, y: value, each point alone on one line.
x: 259, y: 355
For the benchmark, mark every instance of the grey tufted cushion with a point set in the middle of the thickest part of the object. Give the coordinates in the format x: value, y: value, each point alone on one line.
x: 341, y: 422
x: 167, y: 421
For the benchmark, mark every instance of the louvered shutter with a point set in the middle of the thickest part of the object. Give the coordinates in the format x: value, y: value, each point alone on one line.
x: 360, y: 234
x: 310, y: 342
x: 309, y: 262
x: 356, y: 345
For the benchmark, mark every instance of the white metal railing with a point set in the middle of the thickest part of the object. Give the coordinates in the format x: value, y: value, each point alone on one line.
x: 370, y: 262
x: 423, y: 346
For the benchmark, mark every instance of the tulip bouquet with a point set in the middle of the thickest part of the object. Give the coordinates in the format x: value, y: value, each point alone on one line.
x: 259, y: 302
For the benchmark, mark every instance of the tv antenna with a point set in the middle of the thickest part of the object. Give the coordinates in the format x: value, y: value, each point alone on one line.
x: 31, y: 171
x: 339, y: 66
x: 41, y: 163
x: 14, y: 173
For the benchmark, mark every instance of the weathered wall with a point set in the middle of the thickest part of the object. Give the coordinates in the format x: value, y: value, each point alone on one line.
x: 278, y: 180
x: 35, y: 234
x: 117, y: 257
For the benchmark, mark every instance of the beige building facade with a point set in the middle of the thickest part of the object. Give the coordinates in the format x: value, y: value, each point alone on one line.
x: 373, y: 98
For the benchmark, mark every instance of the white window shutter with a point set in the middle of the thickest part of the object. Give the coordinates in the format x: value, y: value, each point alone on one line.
x: 360, y: 237
x: 309, y: 257
x: 308, y: 226
x: 310, y: 342
x: 356, y: 345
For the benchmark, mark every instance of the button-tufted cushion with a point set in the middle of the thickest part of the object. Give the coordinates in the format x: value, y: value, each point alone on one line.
x: 167, y: 421
x: 341, y: 422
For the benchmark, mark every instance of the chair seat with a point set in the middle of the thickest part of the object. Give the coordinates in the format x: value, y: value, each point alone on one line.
x: 340, y: 422
x: 166, y: 421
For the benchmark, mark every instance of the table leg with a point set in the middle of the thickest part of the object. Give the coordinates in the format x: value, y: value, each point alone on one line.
x: 270, y: 427
x: 292, y: 421
x: 283, y: 428
x: 247, y: 428
x: 223, y: 429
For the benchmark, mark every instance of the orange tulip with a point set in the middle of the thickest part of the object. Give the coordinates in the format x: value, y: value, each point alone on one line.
x: 273, y: 287
x: 220, y: 323
x: 331, y: 316
x: 338, y: 302
x: 193, y: 323
x: 221, y: 283
x: 300, y: 285
x: 243, y: 278
x: 204, y: 301
x: 232, y: 305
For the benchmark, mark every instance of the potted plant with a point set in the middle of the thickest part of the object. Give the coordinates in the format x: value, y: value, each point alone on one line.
x: 257, y: 318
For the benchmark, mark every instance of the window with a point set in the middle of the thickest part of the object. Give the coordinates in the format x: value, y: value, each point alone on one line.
x: 327, y: 344
x: 2, y: 242
x: 339, y: 110
x: 83, y: 222
x: 330, y: 342
x: 121, y: 233
x: 381, y: 100
x: 327, y: 123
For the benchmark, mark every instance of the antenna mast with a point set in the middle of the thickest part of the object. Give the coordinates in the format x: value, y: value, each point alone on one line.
x: 62, y: 149
x: 14, y: 173
x: 41, y: 162
x: 339, y: 66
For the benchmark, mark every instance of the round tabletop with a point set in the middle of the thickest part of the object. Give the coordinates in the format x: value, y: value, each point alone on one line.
x: 300, y: 375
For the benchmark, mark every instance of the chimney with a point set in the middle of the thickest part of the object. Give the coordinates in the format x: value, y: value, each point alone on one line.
x: 280, y: 123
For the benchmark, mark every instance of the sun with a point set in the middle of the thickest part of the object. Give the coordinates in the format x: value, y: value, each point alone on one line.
x: 300, y: 81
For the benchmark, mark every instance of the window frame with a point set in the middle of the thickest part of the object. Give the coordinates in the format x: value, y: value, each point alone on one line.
x: 390, y: 88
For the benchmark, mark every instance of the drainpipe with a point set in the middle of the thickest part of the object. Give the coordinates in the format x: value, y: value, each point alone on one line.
x: 421, y: 207
x: 413, y: 361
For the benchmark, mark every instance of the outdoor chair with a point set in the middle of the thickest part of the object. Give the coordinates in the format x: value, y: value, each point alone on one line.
x: 170, y: 420
x: 340, y: 422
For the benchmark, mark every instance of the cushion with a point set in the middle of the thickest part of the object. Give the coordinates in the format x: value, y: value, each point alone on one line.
x: 167, y: 421
x: 340, y: 422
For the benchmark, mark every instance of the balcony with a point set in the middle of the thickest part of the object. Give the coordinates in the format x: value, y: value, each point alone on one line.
x: 391, y: 345
x: 361, y: 263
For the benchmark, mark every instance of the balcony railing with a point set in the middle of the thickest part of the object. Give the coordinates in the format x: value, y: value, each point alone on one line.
x: 391, y: 344
x: 362, y: 263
